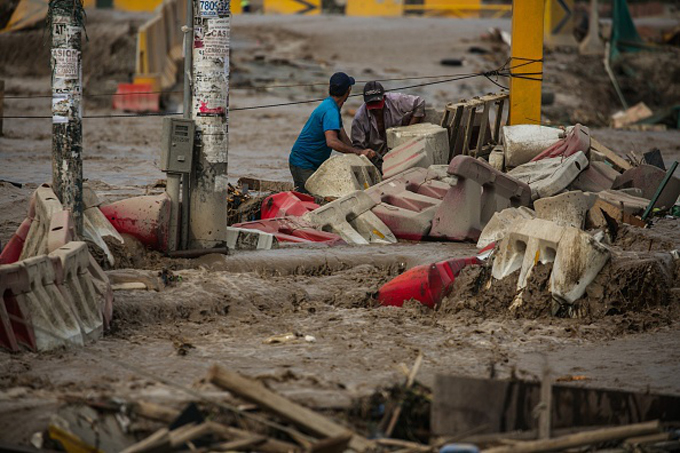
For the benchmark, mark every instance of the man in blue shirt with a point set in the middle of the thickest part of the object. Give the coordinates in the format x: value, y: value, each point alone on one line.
x: 323, y: 133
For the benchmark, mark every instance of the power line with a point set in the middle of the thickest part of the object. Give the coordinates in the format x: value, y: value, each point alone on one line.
x: 257, y: 87
x: 501, y: 72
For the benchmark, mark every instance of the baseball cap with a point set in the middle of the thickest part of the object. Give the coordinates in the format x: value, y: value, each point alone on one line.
x: 340, y: 83
x: 374, y: 95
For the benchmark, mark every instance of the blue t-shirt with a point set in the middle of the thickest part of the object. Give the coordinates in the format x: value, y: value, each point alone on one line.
x: 310, y: 149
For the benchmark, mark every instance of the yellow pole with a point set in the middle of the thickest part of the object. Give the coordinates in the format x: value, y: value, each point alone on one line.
x: 527, y: 51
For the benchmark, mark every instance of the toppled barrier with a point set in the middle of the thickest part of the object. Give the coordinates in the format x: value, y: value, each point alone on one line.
x: 480, y: 191
x: 147, y: 218
x: 351, y: 218
x: 501, y: 223
x: 250, y: 239
x: 566, y: 209
x: 96, y: 226
x: 407, y: 202
x: 548, y: 177
x: 648, y: 178
x: 419, y: 145
x: 597, y: 177
x: 523, y: 142
x: 292, y: 229
x: 50, y: 301
x: 413, y: 153
x: 342, y: 175
x: 577, y: 139
x: 428, y: 283
x: 284, y: 204
x: 577, y: 257
x: 46, y: 206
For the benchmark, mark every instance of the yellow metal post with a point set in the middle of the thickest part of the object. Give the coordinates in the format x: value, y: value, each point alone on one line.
x: 526, y: 62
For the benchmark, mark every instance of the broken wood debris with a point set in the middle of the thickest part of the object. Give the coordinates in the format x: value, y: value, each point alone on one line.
x: 302, y: 417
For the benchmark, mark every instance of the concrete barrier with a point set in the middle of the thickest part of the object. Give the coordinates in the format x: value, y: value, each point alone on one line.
x: 647, y: 178
x: 436, y: 139
x: 577, y: 139
x: 342, y: 175
x: 46, y: 205
x: 597, y: 177
x: 351, y: 218
x: 480, y: 191
x: 15, y: 330
x: 501, y: 223
x: 523, y: 142
x: 407, y: 202
x: 566, y: 209
x: 292, y: 229
x: 285, y: 204
x: 413, y: 153
x: 250, y: 239
x: 147, y: 218
x: 72, y: 277
x: 577, y: 257
x: 52, y: 319
x: 96, y: 225
x: 548, y: 177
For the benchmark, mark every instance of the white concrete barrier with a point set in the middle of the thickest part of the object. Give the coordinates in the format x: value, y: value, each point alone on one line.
x: 351, y: 218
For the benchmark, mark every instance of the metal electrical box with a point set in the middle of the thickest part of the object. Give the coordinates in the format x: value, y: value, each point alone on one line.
x: 177, y: 145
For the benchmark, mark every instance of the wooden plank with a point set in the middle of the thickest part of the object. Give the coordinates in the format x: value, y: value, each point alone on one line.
x: 307, y: 419
x: 580, y: 439
x: 483, y: 126
x: 499, y: 121
x: 546, y: 406
x: 618, y: 162
x: 461, y: 404
x: 158, y: 441
x: 269, y: 446
x: 469, y: 128
x: 331, y: 445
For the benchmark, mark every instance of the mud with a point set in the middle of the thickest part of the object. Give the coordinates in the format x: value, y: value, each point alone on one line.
x: 227, y: 307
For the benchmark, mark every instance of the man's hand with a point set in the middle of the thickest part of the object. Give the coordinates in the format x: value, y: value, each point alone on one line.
x: 368, y: 153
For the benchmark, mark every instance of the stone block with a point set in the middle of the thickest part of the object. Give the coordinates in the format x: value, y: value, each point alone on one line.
x: 342, y: 175
x: 411, y: 154
x: 576, y: 256
x: 548, y: 177
x: 351, y: 218
x: 566, y: 209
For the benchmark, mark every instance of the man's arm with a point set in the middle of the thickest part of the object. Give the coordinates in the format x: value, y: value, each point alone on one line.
x: 344, y: 138
x: 334, y: 141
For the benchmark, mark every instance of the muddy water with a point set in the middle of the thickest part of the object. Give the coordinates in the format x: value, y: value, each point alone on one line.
x: 227, y: 307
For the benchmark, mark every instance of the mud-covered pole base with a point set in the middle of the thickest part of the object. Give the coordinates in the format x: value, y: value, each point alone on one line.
x: 66, y: 17
x: 210, y: 110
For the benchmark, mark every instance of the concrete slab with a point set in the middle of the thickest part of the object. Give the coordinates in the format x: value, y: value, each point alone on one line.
x: 548, y: 177
x: 436, y: 139
x: 342, y: 175
x: 566, y: 209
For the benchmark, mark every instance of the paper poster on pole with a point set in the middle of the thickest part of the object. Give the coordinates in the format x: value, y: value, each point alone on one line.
x: 66, y: 63
x: 216, y: 39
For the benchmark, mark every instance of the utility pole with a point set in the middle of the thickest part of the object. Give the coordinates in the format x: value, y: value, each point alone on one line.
x: 66, y: 24
x: 210, y: 111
